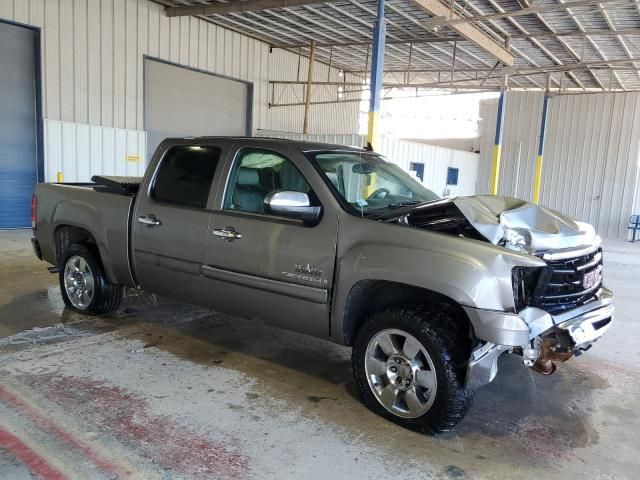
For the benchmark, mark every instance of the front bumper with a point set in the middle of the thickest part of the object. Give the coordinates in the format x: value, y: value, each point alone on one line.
x: 502, y: 331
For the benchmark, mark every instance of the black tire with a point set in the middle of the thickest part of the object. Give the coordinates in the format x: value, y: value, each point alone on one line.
x: 106, y: 297
x: 449, y: 348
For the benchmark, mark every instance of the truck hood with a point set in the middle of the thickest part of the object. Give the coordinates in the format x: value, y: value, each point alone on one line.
x: 505, y: 221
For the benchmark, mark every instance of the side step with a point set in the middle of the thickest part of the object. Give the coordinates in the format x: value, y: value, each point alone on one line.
x: 53, y: 269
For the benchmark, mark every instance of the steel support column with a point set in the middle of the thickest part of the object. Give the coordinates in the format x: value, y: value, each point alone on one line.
x: 537, y: 181
x: 497, y: 146
x: 307, y: 99
x: 377, y: 74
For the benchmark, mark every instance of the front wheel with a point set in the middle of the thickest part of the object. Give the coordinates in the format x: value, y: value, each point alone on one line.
x: 84, y: 285
x: 410, y: 366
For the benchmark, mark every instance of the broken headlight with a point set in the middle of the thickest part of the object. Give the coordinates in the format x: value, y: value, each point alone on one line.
x: 518, y: 239
x: 525, y: 281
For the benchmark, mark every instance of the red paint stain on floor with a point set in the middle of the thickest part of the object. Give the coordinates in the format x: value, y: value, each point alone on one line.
x: 127, y: 417
x: 52, y: 427
x: 34, y: 462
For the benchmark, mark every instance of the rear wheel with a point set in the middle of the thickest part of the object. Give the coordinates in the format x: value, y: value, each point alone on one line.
x: 84, y: 285
x: 410, y: 367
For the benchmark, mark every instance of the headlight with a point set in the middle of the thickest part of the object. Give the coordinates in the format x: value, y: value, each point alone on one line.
x: 525, y: 281
x: 518, y: 239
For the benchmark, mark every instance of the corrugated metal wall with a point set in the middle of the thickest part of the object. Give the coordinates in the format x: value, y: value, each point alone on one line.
x: 93, y: 63
x: 113, y: 151
x: 591, y: 154
x: 340, y: 118
x: 436, y: 159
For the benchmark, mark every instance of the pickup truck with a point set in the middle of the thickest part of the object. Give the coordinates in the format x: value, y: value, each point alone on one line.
x: 338, y: 243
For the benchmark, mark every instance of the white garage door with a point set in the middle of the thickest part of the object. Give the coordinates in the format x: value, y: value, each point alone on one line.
x: 183, y: 102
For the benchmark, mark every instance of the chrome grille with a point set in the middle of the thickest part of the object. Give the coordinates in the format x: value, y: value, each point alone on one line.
x: 568, y: 283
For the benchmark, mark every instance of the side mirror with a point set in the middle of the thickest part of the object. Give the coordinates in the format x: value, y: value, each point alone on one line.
x: 289, y: 204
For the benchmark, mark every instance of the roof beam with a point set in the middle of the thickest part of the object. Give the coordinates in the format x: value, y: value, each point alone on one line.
x: 467, y: 30
x: 431, y: 39
x: 237, y: 7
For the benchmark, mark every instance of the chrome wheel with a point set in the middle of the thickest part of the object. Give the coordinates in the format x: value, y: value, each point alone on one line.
x: 400, y: 373
x: 79, y: 282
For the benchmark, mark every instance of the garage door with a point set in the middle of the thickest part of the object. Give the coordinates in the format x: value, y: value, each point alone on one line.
x: 183, y: 102
x: 18, y: 161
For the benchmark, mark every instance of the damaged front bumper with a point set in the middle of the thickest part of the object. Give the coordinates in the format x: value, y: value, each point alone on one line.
x: 535, y: 333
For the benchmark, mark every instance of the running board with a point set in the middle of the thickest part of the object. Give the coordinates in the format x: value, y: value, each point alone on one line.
x: 53, y: 269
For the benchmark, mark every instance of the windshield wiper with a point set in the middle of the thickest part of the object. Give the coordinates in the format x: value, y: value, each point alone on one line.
x: 403, y: 204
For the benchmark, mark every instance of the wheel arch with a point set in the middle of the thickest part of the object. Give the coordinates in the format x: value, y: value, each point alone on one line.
x: 66, y: 235
x: 369, y: 296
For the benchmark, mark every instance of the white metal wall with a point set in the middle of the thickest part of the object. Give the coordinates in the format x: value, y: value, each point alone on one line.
x: 113, y: 151
x: 436, y: 159
x: 92, y: 65
x: 284, y: 65
x: 591, y: 154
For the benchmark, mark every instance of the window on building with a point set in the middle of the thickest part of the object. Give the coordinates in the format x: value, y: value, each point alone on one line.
x: 419, y: 169
x: 185, y: 175
x: 452, y: 176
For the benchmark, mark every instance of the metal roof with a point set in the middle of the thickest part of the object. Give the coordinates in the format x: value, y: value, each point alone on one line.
x: 575, y: 46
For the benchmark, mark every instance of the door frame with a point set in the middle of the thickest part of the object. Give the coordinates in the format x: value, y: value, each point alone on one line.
x: 249, y: 119
x: 38, y: 86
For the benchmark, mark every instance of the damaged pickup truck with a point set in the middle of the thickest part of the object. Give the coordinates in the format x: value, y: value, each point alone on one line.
x: 337, y: 243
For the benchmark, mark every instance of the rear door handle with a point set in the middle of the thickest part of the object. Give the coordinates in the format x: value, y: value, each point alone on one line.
x: 228, y: 234
x: 149, y: 220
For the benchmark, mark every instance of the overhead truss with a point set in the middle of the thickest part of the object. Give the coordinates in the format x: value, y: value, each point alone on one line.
x: 567, y: 46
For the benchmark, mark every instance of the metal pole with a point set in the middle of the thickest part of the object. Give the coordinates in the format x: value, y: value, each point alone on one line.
x: 377, y: 74
x: 307, y: 100
x: 537, y: 181
x: 497, y: 146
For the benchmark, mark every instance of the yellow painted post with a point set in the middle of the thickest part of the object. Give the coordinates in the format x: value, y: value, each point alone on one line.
x: 497, y: 147
x: 377, y: 75
x: 537, y: 180
x: 60, y: 177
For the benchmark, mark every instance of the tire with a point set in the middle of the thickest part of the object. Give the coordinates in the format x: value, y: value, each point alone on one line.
x: 430, y: 396
x: 84, y: 285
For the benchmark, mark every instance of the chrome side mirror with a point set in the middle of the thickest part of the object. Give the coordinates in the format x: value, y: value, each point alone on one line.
x: 290, y: 204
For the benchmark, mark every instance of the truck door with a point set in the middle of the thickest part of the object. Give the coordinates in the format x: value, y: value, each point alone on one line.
x: 171, y: 217
x: 263, y: 265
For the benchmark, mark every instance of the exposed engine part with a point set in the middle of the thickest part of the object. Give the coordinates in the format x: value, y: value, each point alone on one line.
x: 555, y: 347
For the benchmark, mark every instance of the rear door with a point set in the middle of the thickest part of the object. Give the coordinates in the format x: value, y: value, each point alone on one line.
x: 171, y: 218
x: 276, y: 269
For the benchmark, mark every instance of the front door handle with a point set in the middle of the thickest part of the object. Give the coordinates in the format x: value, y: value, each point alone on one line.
x: 228, y: 234
x: 149, y: 220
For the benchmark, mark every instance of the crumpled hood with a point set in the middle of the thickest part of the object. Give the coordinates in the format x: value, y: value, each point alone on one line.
x: 523, y: 225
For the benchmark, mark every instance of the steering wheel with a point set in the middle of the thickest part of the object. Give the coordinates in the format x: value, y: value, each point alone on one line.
x: 380, y: 193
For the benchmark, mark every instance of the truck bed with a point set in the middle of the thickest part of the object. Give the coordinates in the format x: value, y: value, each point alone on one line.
x: 104, y: 215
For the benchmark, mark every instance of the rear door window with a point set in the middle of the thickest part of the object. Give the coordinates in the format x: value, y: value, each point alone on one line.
x: 185, y: 174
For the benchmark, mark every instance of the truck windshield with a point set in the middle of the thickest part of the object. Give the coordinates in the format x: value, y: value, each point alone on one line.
x: 366, y: 182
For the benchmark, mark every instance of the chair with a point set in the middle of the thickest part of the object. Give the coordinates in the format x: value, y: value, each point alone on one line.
x: 634, y: 227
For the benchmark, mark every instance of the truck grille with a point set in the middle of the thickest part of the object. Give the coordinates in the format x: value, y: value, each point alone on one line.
x: 568, y: 283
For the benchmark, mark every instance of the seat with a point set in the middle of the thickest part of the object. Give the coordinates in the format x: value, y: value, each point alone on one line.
x: 248, y: 196
x: 292, y: 179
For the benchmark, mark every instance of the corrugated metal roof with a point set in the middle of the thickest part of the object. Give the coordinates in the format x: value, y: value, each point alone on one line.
x: 551, y: 39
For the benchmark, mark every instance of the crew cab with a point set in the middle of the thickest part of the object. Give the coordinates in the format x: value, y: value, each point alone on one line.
x: 337, y: 243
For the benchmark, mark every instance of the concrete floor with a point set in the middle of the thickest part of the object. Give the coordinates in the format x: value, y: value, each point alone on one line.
x: 165, y: 390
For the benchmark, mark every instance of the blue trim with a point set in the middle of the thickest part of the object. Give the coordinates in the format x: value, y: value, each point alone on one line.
x: 38, y: 81
x: 543, y: 124
x: 500, y: 119
x: 377, y: 59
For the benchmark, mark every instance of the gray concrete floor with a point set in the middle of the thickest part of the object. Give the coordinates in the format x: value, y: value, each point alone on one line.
x: 166, y: 390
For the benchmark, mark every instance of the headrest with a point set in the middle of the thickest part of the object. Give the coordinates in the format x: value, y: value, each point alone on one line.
x: 248, y: 177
